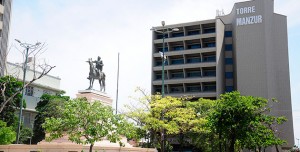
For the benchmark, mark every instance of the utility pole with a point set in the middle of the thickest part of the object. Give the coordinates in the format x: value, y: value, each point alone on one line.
x: 163, y: 56
x: 117, y: 94
x: 27, y: 47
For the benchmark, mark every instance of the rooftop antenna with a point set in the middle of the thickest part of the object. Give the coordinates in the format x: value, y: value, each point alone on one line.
x: 220, y: 12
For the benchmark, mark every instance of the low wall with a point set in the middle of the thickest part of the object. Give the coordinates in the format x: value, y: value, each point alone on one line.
x: 69, y: 148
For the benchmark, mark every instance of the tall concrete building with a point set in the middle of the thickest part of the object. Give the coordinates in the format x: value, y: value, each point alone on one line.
x: 246, y: 50
x: 5, y: 13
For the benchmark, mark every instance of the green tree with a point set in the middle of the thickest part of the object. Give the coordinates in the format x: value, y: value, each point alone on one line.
x: 10, y: 90
x: 9, y: 86
x: 168, y: 117
x: 178, y: 118
x: 201, y: 137
x: 137, y: 111
x: 7, y: 134
x: 47, y: 107
x: 263, y: 133
x: 85, y: 123
x: 14, y: 91
x: 25, y: 135
x: 243, y: 122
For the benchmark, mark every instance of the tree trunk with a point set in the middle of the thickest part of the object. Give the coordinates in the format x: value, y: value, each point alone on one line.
x: 220, y: 143
x: 212, y: 143
x: 276, y: 146
x: 152, y: 138
x: 181, y: 140
x: 91, y: 147
x: 231, y: 147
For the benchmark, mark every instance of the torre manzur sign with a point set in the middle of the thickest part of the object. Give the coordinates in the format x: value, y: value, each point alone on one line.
x: 250, y: 19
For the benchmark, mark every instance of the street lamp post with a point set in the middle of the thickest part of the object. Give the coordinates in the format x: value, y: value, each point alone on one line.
x: 163, y: 32
x: 298, y: 142
x: 163, y: 63
x: 27, y: 47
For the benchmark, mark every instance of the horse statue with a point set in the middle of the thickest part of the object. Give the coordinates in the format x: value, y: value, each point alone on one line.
x: 94, y: 74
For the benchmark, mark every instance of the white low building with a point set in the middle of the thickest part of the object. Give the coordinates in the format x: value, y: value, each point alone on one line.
x: 46, y: 85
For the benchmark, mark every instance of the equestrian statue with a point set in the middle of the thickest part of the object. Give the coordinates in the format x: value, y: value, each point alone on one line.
x: 96, y: 73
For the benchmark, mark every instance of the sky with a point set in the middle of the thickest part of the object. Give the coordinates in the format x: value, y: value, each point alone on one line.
x: 75, y: 30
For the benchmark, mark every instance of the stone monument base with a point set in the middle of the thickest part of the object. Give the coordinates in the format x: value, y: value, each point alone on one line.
x: 104, y: 143
x: 64, y: 145
x: 94, y: 95
x: 69, y: 148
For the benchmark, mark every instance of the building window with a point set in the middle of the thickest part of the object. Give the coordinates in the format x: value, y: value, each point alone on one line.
x: 158, y: 77
x: 178, y: 48
x: 229, y: 75
x: 212, y: 44
x: 177, y: 75
x: 193, y: 32
x: 229, y: 89
x: 209, y: 73
x: 46, y: 92
x: 228, y: 47
x: 157, y: 89
x: 209, y: 58
x: 177, y: 34
x: 195, y: 88
x: 177, y: 61
x: 228, y: 61
x: 158, y: 63
x: 194, y: 46
x: 176, y: 89
x: 209, y: 30
x: 29, y: 91
x: 160, y: 36
x: 194, y: 60
x: 209, y: 88
x: 191, y: 74
x: 228, y: 33
x: 26, y: 119
x: 161, y: 49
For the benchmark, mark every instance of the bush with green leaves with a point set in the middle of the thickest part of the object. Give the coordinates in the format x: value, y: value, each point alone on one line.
x: 47, y: 107
x: 88, y: 122
x: 244, y: 122
x: 7, y: 134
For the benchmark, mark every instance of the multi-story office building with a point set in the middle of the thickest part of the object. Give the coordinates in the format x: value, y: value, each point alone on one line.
x: 46, y: 85
x: 5, y: 13
x: 246, y: 50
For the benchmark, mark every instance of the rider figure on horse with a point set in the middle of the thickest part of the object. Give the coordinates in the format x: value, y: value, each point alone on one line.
x: 99, y: 65
x: 96, y: 73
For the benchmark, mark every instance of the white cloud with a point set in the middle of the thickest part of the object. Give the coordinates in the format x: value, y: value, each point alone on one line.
x: 290, y: 8
x: 296, y: 121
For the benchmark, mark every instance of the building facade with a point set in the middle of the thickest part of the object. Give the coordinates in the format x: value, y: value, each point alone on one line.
x: 246, y: 50
x: 46, y: 85
x: 5, y: 13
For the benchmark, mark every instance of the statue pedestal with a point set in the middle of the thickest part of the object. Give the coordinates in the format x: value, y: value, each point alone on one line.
x: 103, y: 143
x: 94, y: 95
